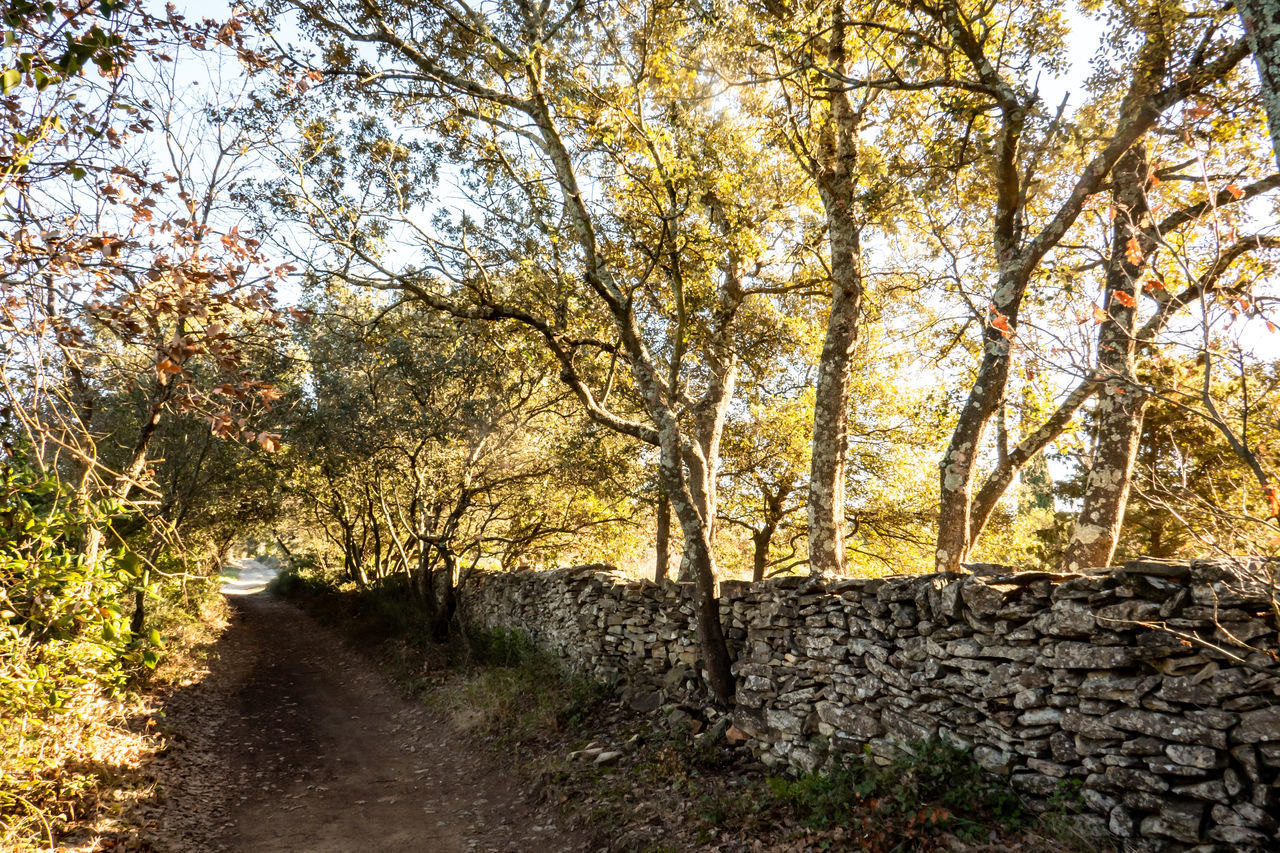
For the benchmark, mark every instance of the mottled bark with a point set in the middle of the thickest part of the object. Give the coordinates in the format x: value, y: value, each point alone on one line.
x: 1017, y: 257
x: 662, y: 562
x: 837, y: 180
x: 955, y: 482
x: 760, y: 541
x: 1261, y: 19
x: 699, y: 557
x: 1121, y: 399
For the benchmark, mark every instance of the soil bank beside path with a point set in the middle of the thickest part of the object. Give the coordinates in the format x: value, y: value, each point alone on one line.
x: 295, y: 743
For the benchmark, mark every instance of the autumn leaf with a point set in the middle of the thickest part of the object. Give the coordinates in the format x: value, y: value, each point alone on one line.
x: 1001, y: 324
x: 166, y: 368
x: 1133, y: 251
x: 270, y: 441
x: 1272, y: 491
x: 1124, y: 298
x: 1235, y: 191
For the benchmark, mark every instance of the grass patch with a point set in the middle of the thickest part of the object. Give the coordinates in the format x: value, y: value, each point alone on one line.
x: 525, y: 696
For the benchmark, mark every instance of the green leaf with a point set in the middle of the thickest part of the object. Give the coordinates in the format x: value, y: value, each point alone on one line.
x: 10, y: 80
x: 150, y: 659
x: 78, y: 173
x: 154, y: 637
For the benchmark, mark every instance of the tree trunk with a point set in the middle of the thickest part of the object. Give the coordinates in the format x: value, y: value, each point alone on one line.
x: 1261, y: 19
x: 760, y: 540
x: 1121, y: 401
x: 663, y: 560
x: 956, y: 476
x: 139, y: 618
x: 837, y: 182
x: 448, y: 596
x: 699, y: 560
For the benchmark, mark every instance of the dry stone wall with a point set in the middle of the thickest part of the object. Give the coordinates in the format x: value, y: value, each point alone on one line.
x: 1152, y: 690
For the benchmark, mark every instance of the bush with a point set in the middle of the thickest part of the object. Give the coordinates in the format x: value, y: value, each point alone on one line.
x: 65, y: 644
x: 929, y: 787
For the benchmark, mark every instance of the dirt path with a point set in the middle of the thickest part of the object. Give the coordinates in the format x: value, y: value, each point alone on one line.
x: 293, y: 743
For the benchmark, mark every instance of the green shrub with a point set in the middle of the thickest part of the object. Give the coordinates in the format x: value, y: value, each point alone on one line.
x: 502, y: 647
x: 930, y: 786
x: 65, y: 642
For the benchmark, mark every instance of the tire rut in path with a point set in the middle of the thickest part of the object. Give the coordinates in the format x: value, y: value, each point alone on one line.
x: 324, y: 754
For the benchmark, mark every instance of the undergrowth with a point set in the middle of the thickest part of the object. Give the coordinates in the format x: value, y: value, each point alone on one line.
x: 76, y: 690
x: 930, y: 787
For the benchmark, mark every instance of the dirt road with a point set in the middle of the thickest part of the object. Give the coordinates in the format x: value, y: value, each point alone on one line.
x: 294, y: 743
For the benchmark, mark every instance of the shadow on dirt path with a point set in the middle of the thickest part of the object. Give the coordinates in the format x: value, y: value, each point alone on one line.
x: 318, y: 752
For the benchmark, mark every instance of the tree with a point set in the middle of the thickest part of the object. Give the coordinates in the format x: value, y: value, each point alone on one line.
x: 426, y: 446
x: 1000, y: 103
x: 1191, y: 492
x: 642, y: 302
x: 765, y: 460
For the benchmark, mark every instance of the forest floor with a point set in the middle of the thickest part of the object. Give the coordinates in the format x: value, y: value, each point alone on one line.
x: 294, y: 743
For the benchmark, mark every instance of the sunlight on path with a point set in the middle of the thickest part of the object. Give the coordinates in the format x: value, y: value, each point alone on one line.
x: 246, y: 577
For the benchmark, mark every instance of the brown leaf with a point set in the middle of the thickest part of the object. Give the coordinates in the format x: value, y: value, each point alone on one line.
x: 1133, y: 251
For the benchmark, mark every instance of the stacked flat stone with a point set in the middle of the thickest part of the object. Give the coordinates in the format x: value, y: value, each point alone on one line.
x: 1155, y: 685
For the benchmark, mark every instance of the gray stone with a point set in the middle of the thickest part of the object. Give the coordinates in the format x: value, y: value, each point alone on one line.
x: 852, y: 721
x: 1179, y: 821
x: 1153, y: 567
x: 1239, y: 837
x: 1066, y: 619
x: 647, y: 702
x: 1048, y: 768
x: 1127, y: 612
x: 1034, y: 784
x: 1260, y: 726
x: 1069, y: 655
x: 981, y: 598
x: 1090, y: 727
x: 1212, y: 790
x: 1040, y: 717
x: 1195, y: 756
x: 1120, y: 823
x: 1165, y: 726
x: 1026, y: 699
x: 1128, y: 778
x: 993, y: 760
